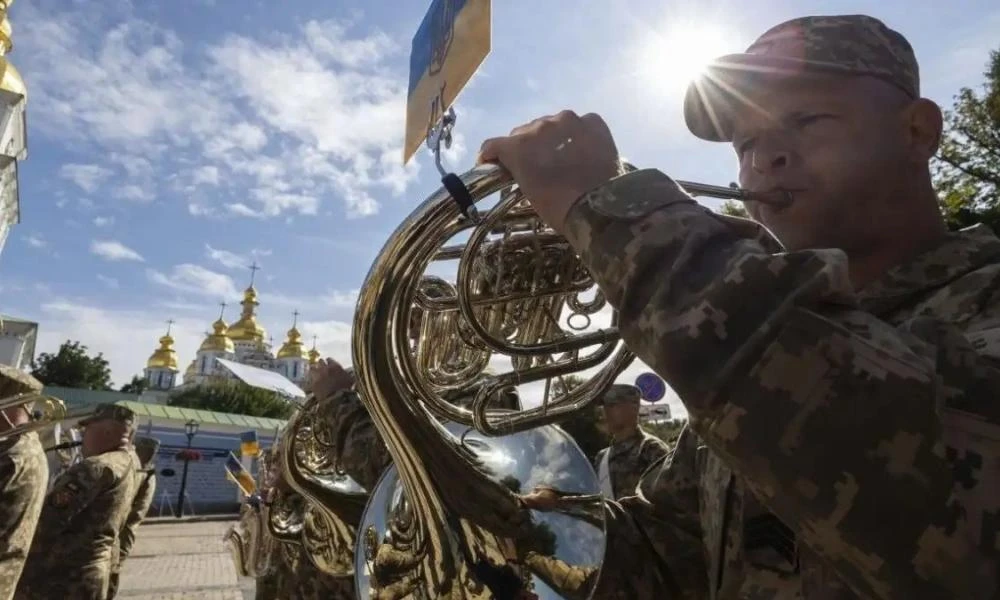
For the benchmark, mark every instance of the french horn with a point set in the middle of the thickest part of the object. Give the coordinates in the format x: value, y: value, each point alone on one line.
x: 445, y: 520
x: 334, y: 501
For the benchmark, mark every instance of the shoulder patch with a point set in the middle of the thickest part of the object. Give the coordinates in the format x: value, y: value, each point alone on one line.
x: 62, y: 498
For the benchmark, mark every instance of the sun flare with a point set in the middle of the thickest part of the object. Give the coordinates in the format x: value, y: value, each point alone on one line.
x: 668, y: 59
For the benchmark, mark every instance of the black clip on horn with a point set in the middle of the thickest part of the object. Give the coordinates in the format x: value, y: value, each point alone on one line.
x: 441, y: 132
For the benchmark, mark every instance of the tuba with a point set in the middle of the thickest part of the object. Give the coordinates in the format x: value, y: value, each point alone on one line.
x: 334, y: 501
x: 445, y: 520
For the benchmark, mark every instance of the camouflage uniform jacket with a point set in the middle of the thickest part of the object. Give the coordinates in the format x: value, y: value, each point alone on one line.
x: 146, y: 490
x: 24, y: 475
x: 629, y: 458
x: 77, y: 535
x: 866, y: 422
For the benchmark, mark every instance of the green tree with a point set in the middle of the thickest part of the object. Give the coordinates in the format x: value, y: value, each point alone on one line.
x: 137, y: 386
x: 234, y: 397
x: 967, y: 166
x: 734, y: 209
x: 586, y: 427
x: 72, y: 367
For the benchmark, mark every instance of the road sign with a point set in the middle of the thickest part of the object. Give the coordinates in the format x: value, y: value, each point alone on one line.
x: 451, y: 43
x: 651, y: 387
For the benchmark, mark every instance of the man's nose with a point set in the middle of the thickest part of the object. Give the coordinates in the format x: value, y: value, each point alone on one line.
x: 766, y: 161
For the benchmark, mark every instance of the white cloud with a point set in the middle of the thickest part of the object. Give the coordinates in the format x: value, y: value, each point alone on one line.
x: 104, y: 221
x: 36, y: 241
x: 133, y: 193
x: 114, y: 250
x: 238, y: 208
x: 130, y: 90
x: 234, y: 260
x: 111, y: 282
x: 207, y: 174
x: 196, y: 280
x: 86, y: 177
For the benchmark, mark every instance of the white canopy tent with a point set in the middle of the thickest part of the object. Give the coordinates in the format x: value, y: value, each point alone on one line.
x: 261, y: 378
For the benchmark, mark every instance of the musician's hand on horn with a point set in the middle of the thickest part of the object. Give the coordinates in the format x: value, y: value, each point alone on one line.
x: 327, y: 377
x: 542, y: 499
x: 555, y: 160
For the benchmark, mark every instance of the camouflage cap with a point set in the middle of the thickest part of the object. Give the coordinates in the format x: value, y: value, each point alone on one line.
x: 14, y: 381
x: 621, y: 393
x: 850, y: 45
x: 146, y: 448
x: 115, y: 412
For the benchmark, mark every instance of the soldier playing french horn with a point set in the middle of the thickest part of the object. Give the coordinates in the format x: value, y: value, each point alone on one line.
x: 849, y: 370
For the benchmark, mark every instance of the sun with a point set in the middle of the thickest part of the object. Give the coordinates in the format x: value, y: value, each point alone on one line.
x: 669, y: 58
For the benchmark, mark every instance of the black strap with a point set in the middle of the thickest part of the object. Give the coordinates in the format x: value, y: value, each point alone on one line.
x: 453, y: 183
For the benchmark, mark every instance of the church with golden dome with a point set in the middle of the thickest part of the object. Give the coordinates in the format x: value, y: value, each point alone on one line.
x: 244, y: 342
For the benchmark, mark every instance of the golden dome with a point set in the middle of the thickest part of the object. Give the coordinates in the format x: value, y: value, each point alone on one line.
x: 10, y: 79
x: 247, y: 329
x: 164, y: 357
x: 314, y: 353
x: 219, y: 340
x: 292, y: 348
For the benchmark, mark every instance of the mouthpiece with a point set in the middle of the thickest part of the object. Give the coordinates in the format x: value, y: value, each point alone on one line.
x: 777, y: 198
x: 64, y: 446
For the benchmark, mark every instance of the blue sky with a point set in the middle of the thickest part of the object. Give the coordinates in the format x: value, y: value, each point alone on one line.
x: 171, y: 143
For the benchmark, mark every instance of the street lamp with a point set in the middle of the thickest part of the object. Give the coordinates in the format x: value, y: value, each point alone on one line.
x: 190, y: 429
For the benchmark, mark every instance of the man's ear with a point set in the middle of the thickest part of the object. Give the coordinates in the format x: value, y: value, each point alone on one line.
x: 923, y: 124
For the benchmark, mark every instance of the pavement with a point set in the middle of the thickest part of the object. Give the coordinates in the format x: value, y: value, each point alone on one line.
x: 183, y: 559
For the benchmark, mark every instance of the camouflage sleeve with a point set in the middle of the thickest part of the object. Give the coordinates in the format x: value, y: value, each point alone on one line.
x: 360, y: 449
x: 140, y: 506
x: 70, y: 495
x: 772, y: 385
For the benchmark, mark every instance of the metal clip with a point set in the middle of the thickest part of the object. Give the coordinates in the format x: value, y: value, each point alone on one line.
x: 439, y: 134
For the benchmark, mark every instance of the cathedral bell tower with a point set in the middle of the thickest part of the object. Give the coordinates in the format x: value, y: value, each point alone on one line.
x: 161, y: 368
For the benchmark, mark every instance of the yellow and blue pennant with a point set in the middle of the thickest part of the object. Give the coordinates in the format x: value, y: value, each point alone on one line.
x: 249, y: 446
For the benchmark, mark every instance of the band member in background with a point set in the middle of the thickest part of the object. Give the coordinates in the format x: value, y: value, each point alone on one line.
x: 841, y: 385
x: 24, y: 474
x: 146, y: 449
x: 76, y: 543
x: 632, y: 450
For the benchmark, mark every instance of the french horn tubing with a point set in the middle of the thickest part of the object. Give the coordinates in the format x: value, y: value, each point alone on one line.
x: 335, y: 502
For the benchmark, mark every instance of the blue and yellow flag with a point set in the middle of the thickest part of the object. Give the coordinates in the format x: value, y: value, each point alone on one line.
x: 239, y: 475
x: 450, y: 44
x: 248, y: 444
